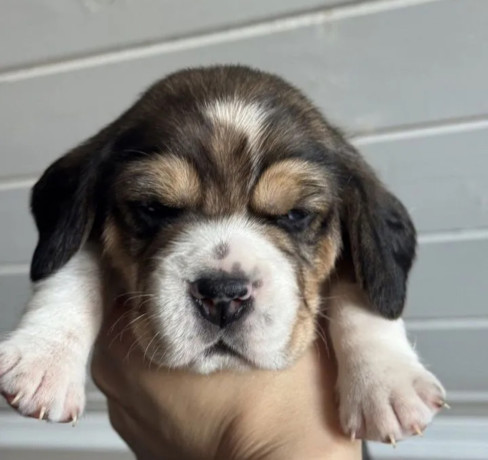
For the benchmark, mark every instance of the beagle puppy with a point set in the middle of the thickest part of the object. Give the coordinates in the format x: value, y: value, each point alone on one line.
x: 231, y: 215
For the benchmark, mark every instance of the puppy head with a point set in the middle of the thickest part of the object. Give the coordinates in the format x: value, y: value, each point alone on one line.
x: 224, y: 199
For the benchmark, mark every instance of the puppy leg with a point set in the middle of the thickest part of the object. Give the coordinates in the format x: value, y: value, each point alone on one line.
x: 385, y: 393
x: 43, y: 362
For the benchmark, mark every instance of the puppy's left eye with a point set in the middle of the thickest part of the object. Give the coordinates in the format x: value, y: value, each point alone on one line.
x: 297, y: 215
x: 295, y: 219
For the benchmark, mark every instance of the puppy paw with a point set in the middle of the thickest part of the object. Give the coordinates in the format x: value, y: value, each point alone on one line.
x: 388, y: 399
x: 42, y: 378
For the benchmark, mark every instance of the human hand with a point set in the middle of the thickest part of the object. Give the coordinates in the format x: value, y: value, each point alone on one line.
x: 176, y: 414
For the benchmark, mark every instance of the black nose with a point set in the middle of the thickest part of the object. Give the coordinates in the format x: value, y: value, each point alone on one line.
x: 221, y: 300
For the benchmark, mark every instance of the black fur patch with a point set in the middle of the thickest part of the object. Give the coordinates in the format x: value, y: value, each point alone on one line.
x: 381, y: 240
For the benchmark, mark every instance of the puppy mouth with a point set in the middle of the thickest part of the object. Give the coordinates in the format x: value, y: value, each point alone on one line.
x: 221, y: 348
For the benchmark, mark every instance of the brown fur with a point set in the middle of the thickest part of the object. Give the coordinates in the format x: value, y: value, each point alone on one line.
x: 168, y: 178
x: 288, y: 184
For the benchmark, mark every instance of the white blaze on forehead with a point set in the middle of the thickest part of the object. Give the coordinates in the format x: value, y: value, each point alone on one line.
x: 247, y: 117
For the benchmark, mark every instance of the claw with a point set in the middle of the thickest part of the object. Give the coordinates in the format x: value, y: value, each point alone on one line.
x: 443, y: 404
x: 392, y: 440
x: 353, y: 436
x: 42, y: 412
x: 417, y: 430
x: 16, y: 399
x: 74, y: 420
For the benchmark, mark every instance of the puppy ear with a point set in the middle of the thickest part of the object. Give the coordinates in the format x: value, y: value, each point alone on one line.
x: 380, y: 237
x: 63, y: 205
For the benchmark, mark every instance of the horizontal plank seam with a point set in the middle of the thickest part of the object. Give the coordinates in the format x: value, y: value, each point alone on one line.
x: 420, y: 130
x: 194, y: 41
x: 16, y: 182
x: 468, y: 396
x: 448, y: 236
x: 443, y: 324
x: 14, y: 269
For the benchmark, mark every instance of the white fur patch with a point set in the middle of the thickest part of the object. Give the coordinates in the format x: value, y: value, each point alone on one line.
x: 262, y: 335
x: 385, y: 392
x: 43, y: 362
x: 248, y: 118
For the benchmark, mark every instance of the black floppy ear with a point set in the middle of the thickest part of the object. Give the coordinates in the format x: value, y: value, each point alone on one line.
x: 63, y: 205
x: 380, y: 237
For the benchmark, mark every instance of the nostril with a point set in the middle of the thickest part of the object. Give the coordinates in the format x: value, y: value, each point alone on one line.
x: 245, y: 293
x: 236, y: 290
x: 194, y: 291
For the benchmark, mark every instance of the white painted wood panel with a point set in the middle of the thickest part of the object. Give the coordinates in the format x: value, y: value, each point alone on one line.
x: 447, y: 438
x: 14, y: 294
x: 47, y: 30
x: 442, y: 177
x: 360, y: 79
x: 449, y: 281
x: 17, y: 232
x: 456, y: 355
x: 92, y: 433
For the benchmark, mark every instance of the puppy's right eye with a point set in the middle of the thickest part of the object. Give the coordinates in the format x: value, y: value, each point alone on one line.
x: 156, y: 210
x: 149, y: 216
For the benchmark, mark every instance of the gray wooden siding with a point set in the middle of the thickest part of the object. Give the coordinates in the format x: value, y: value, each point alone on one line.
x: 406, y: 79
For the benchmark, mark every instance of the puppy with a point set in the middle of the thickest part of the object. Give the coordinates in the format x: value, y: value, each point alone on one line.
x: 232, y: 216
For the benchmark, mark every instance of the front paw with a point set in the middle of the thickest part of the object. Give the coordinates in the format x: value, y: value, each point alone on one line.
x: 388, y: 399
x: 41, y: 378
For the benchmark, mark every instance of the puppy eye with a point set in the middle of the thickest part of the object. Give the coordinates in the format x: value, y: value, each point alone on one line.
x: 148, y: 208
x: 295, y: 219
x: 297, y: 215
x: 155, y: 210
x: 149, y: 216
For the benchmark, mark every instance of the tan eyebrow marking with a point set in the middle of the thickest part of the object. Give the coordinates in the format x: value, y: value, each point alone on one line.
x: 289, y: 183
x: 167, y: 177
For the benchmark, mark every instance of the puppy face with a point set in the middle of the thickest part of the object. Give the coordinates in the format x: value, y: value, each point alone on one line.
x: 223, y: 199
